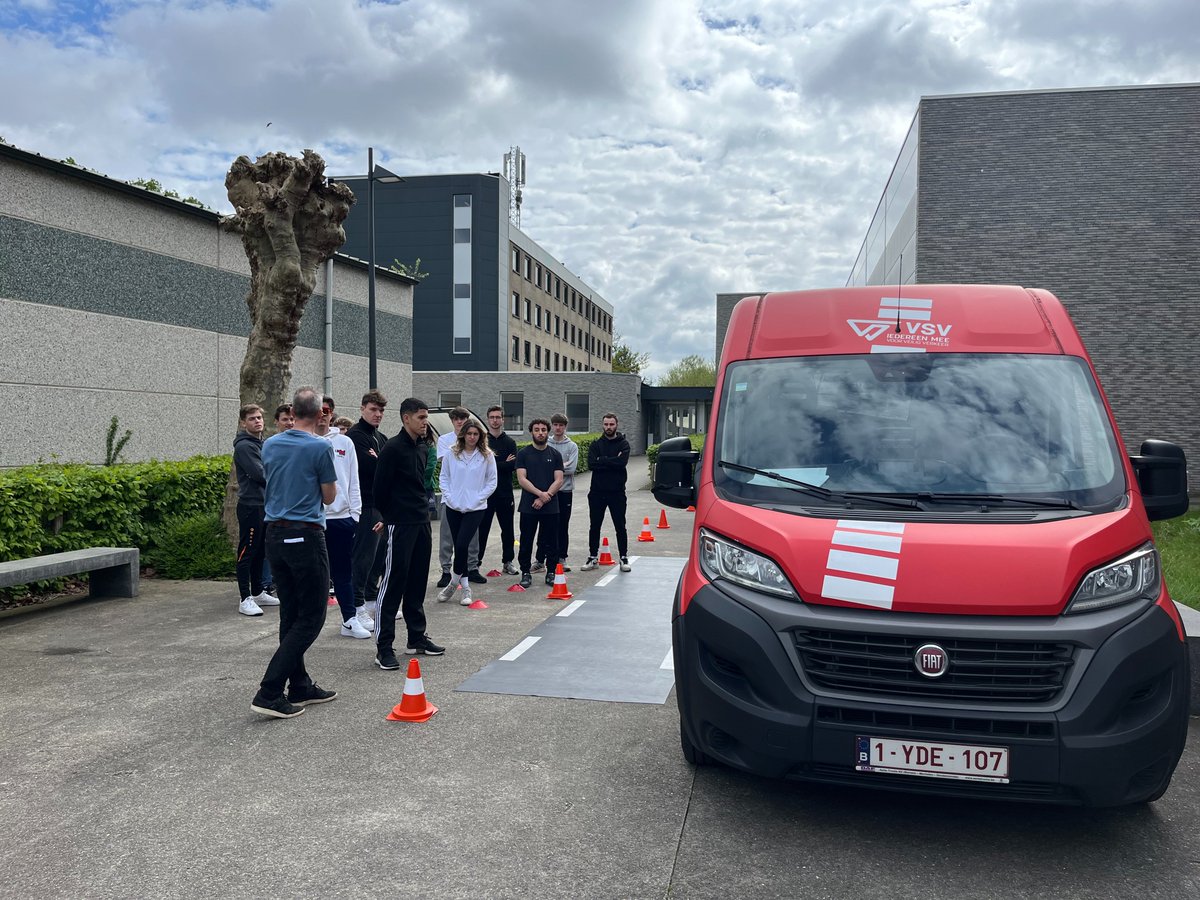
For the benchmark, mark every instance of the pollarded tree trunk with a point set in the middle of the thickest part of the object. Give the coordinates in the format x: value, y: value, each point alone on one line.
x: 290, y: 221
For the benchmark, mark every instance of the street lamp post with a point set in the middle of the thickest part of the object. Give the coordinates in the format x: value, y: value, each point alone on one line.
x: 384, y: 177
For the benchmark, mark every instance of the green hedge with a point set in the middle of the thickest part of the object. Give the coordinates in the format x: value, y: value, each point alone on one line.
x: 652, y: 451
x: 52, y: 508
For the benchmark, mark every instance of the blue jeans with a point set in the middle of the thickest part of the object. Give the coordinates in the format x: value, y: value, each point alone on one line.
x: 301, y: 566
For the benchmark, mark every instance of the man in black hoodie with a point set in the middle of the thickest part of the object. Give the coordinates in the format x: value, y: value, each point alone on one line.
x: 400, y: 498
x: 608, y: 460
x: 247, y: 461
x: 366, y: 561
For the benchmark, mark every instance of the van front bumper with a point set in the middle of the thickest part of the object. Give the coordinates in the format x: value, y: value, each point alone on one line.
x: 1112, y: 735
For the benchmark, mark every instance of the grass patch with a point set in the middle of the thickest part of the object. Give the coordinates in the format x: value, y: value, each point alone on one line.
x: 1179, y: 543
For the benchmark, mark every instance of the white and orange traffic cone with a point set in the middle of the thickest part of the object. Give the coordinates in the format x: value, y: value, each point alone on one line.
x: 605, y: 556
x: 662, y: 519
x: 646, y: 534
x: 475, y: 604
x: 413, y: 707
x: 559, y: 591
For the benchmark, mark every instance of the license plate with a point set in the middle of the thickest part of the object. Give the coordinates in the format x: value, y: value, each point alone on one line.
x: 965, y: 762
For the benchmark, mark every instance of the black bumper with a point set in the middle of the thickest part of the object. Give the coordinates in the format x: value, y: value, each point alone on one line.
x: 1112, y: 735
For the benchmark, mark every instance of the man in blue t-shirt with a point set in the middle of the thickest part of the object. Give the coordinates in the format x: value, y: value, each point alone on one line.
x: 300, y: 479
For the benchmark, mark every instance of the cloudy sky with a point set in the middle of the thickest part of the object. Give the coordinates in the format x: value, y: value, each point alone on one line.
x: 676, y: 148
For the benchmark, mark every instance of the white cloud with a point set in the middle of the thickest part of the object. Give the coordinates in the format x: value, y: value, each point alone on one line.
x: 677, y: 148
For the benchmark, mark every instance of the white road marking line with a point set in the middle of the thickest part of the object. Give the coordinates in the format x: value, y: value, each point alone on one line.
x: 570, y: 608
x: 669, y: 662
x: 608, y: 577
x: 520, y: 648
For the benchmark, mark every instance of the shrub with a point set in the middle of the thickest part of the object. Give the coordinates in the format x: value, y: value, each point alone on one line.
x: 190, y: 546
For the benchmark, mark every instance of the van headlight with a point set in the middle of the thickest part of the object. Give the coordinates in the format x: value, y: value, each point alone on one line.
x: 720, y: 558
x: 1134, y: 577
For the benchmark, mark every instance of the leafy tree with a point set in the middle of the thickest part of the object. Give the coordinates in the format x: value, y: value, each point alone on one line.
x: 691, y: 371
x: 626, y: 359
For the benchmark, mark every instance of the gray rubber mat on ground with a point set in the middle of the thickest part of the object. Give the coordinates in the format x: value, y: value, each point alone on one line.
x: 611, y: 642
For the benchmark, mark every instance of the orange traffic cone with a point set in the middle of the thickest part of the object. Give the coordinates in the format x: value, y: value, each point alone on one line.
x: 646, y: 535
x: 516, y: 589
x: 475, y: 604
x: 662, y: 519
x: 413, y: 707
x: 690, y: 509
x: 494, y: 573
x: 559, y: 591
x: 606, y: 557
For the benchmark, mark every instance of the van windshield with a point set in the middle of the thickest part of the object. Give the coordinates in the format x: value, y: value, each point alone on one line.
x: 938, y: 428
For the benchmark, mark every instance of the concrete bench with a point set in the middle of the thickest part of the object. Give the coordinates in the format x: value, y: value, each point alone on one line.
x: 113, y: 571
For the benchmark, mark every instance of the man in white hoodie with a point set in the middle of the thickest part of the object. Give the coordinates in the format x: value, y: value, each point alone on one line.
x: 341, y: 522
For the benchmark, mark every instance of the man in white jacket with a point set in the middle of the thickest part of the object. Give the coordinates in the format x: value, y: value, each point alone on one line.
x: 341, y: 522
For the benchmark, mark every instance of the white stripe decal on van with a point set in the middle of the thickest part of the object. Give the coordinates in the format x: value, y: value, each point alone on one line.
x: 885, y: 539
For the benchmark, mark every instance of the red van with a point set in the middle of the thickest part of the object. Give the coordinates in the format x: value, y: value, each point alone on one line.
x: 922, y: 559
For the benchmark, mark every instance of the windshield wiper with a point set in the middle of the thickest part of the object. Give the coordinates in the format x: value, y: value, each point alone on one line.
x: 988, y: 499
x: 823, y: 493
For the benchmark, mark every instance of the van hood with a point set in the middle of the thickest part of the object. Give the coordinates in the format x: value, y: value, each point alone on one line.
x: 1003, y: 569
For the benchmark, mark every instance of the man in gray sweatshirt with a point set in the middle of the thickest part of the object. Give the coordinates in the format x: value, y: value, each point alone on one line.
x: 247, y: 460
x: 569, y: 451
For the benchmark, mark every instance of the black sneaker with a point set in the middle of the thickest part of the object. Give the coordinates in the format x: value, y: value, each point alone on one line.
x: 386, y: 659
x: 424, y: 645
x: 474, y: 576
x: 549, y: 578
x: 444, y: 580
x: 279, y: 708
x: 312, y: 694
x: 526, y: 580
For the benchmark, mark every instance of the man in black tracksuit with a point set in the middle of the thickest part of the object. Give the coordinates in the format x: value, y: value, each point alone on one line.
x: 400, y: 498
x: 366, y: 560
x: 252, y: 481
x: 500, y: 504
x: 608, y: 460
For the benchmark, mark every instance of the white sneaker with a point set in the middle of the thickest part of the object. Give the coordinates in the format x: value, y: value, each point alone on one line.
x: 510, y: 569
x: 590, y: 564
x: 365, y: 619
x: 466, y: 599
x: 265, y: 599
x: 249, y: 608
x: 448, y: 591
x: 625, y: 567
x: 353, y: 628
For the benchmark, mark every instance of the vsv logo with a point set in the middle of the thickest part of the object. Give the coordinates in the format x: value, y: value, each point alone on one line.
x: 904, y: 325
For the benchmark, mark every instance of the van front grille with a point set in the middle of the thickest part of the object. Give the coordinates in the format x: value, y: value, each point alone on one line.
x: 996, y: 671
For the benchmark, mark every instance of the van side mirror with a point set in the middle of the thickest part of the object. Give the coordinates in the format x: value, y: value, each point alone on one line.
x: 674, y: 473
x: 1162, y: 476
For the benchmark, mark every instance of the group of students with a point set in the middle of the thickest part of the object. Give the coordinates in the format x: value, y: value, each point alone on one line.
x: 477, y: 469
x: 317, y: 505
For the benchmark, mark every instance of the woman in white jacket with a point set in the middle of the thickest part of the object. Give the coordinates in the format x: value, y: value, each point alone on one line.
x: 467, y: 479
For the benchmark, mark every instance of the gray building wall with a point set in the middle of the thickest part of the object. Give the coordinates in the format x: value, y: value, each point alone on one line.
x: 116, y: 301
x: 545, y: 394
x: 1095, y: 196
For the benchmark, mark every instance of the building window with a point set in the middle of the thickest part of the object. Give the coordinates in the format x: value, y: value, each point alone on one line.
x: 462, y: 235
x: 516, y: 349
x: 557, y: 288
x: 528, y: 267
x: 449, y: 398
x: 514, y: 409
x: 537, y: 356
x: 538, y: 317
x: 548, y: 321
x: 537, y: 274
x: 462, y: 199
x: 528, y: 310
x: 516, y: 305
x: 578, y: 411
x: 555, y: 362
x: 557, y: 327
x: 528, y: 355
x: 462, y: 291
x: 516, y: 260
